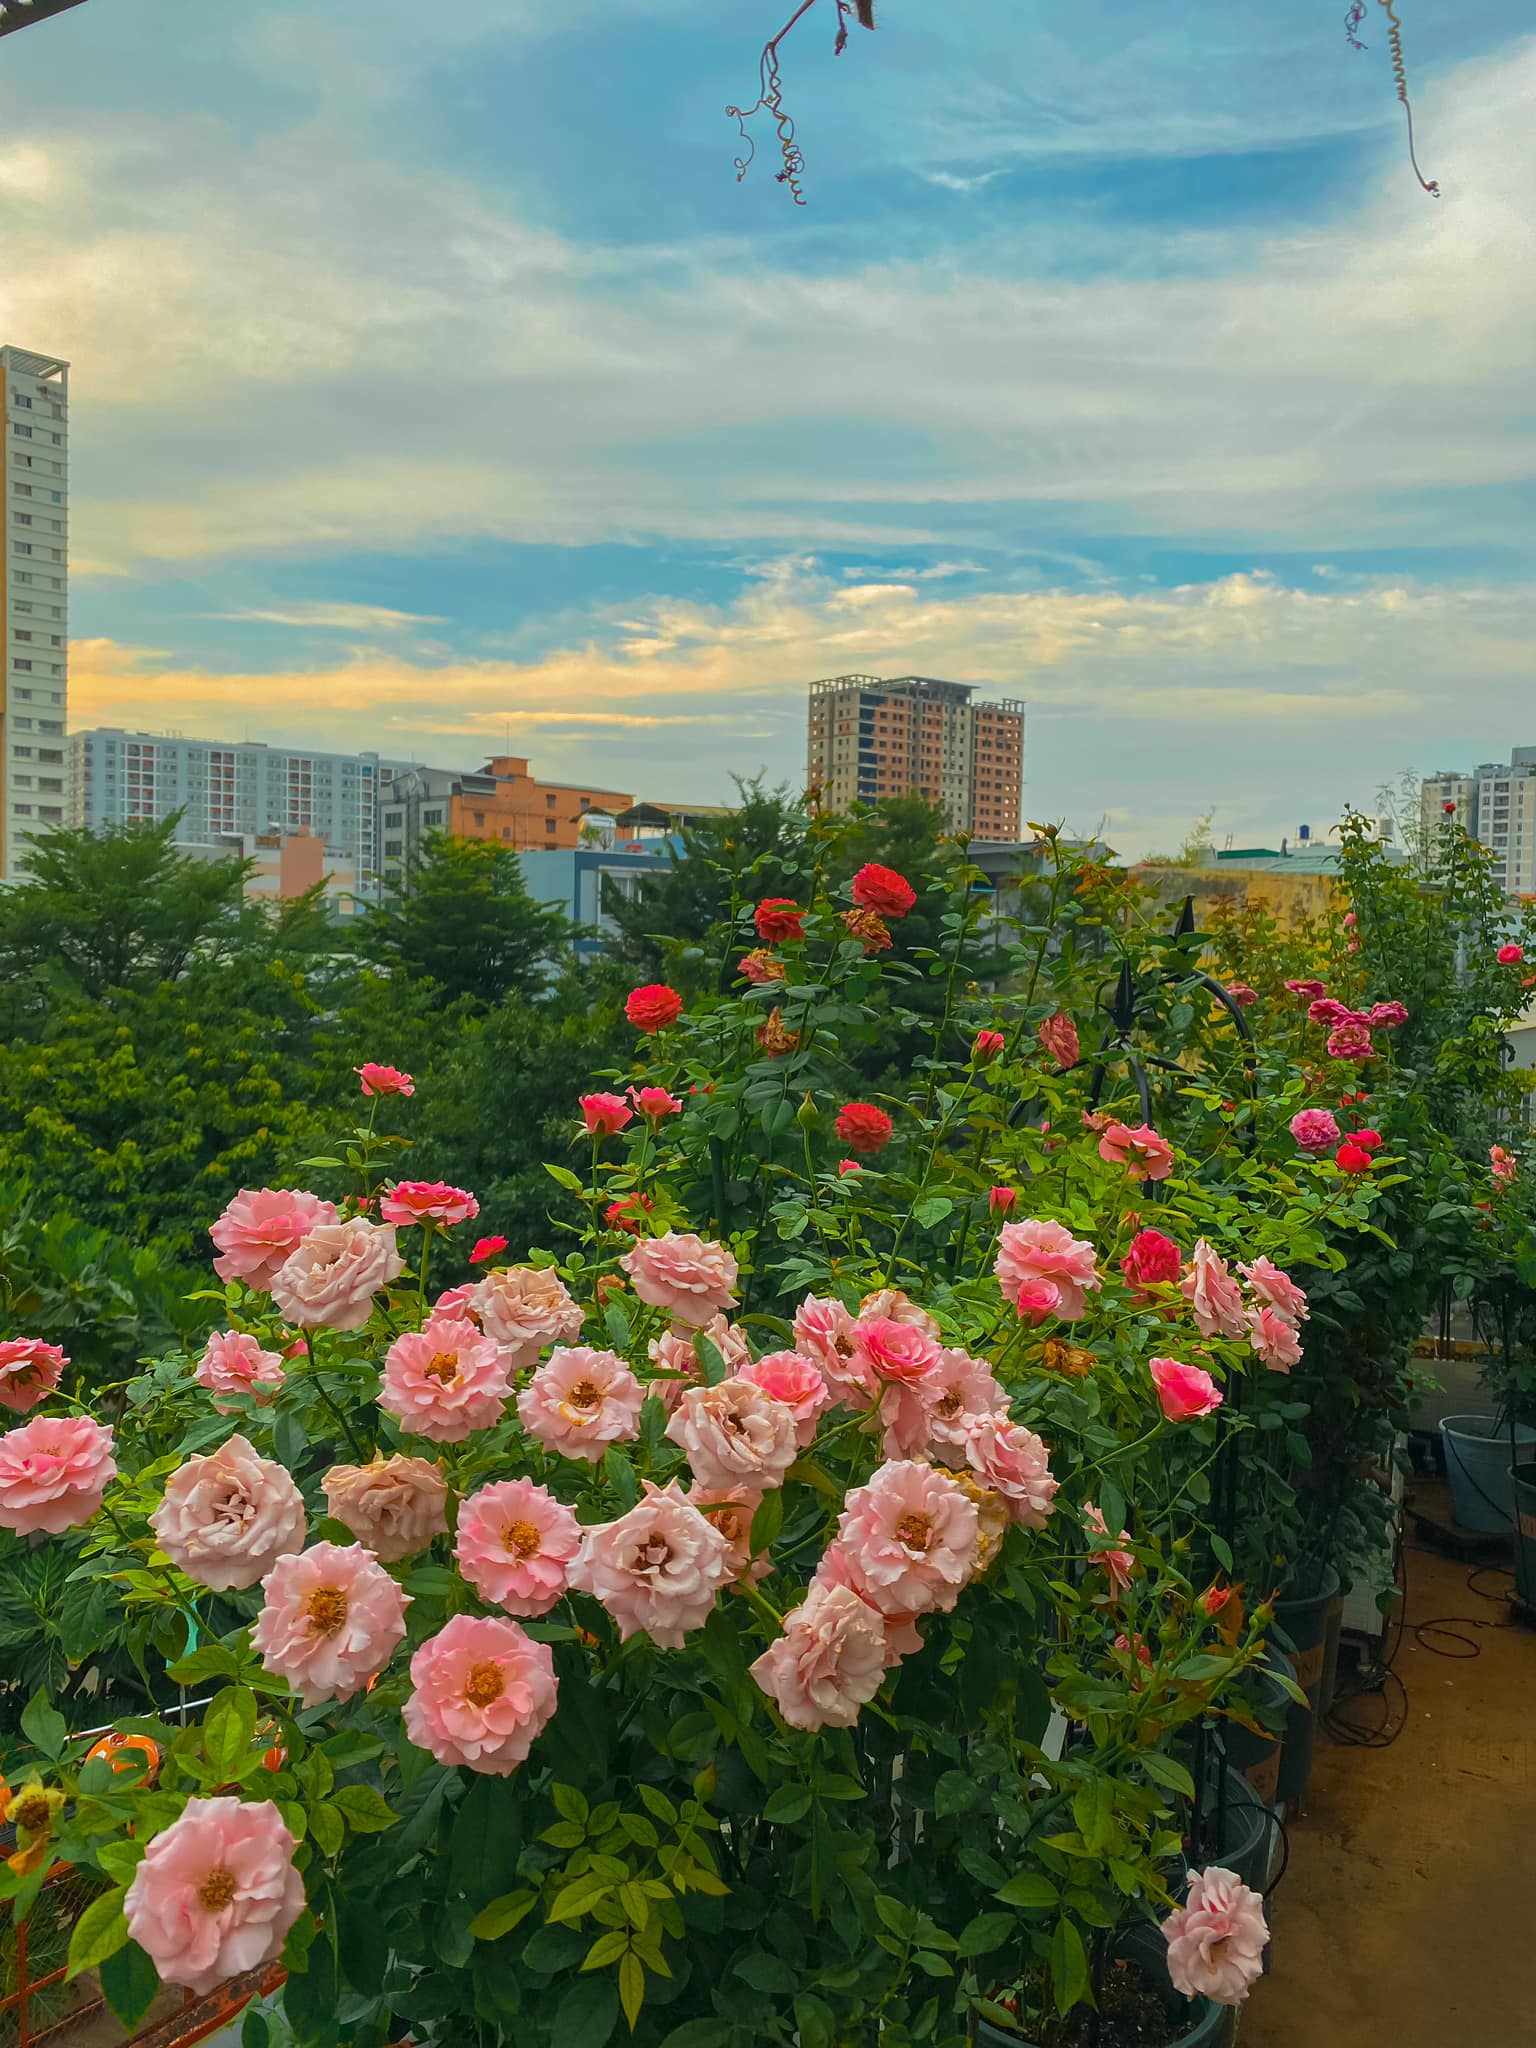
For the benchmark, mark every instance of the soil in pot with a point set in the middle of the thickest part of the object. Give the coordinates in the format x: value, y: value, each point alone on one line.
x: 1138, y: 2008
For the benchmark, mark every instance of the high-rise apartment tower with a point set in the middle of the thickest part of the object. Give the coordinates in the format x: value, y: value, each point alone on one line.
x: 1496, y: 803
x: 872, y: 738
x: 34, y: 600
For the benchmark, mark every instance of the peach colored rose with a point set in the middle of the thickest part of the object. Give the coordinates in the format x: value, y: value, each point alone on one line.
x: 734, y: 1434
x: 1015, y: 1464
x: 731, y: 1509
x: 795, y: 1380
x: 53, y: 1473
x: 902, y: 1636
x: 458, y: 1301
x: 516, y: 1544
x: 227, y: 1518
x: 1273, y: 1336
x: 1277, y: 1289
x: 215, y: 1893
x: 580, y: 1401
x: 1143, y: 1154
x: 674, y: 1353
x: 330, y: 1621
x: 29, y: 1372
x: 393, y: 1506
x: 828, y: 1663
x: 444, y: 1381
x: 1120, y: 1565
x: 824, y: 1332
x: 263, y: 1227
x: 1213, y: 1294
x: 484, y: 1690
x: 964, y: 1387
x: 906, y: 1416
x: 526, y: 1308
x: 1184, y: 1392
x: 909, y: 1538
x: 1058, y: 1035
x: 1043, y: 1249
x: 898, y: 1307
x: 428, y: 1201
x: 690, y: 1277
x: 892, y: 1350
x: 331, y: 1280
x: 658, y: 1568
x: 233, y: 1362
x: 1216, y: 1938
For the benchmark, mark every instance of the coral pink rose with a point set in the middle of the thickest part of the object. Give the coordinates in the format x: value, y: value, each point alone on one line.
x: 986, y: 1046
x: 1277, y: 1288
x: 228, y: 1517
x: 263, y: 1227
x: 1037, y: 1301
x: 486, y: 1248
x: 863, y: 1127
x: 655, y: 1103
x: 883, y: 891
x: 580, y: 1401
x: 332, y: 1278
x: 233, y: 1362
x: 484, y: 1691
x: 829, y: 1662
x: 1501, y: 1163
x: 379, y: 1080
x: 31, y: 1369
x: 516, y: 1544
x: 1143, y: 1154
x: 1213, y: 1294
x: 824, y: 1332
x: 906, y: 1417
x: 524, y: 1308
x: 330, y: 1620
x: 1151, y: 1260
x: 444, y: 1381
x: 653, y: 1007
x: 428, y: 1201
x: 605, y: 1115
x: 778, y: 921
x: 215, y: 1893
x: 730, y: 1509
x: 53, y: 1473
x: 734, y: 1434
x: 1315, y: 1130
x: 963, y: 1388
x: 903, y: 1638
x: 1120, y: 1565
x: 908, y: 1538
x: 1002, y: 1201
x: 1273, y: 1336
x: 1184, y: 1392
x: 1216, y: 1938
x: 1015, y: 1464
x: 891, y: 1303
x: 797, y: 1382
x: 393, y: 1506
x: 1058, y: 1036
x: 658, y: 1568
x: 1043, y: 1249
x: 690, y: 1277
x: 676, y: 1358
x: 893, y: 1350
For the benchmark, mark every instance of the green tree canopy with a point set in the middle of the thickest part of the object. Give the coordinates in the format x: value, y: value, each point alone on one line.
x: 468, y: 925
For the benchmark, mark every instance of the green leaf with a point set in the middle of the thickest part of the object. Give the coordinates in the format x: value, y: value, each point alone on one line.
x: 120, y: 1859
x: 955, y: 1792
x: 1030, y: 1890
x: 1202, y: 1665
x: 1093, y: 1810
x: 933, y: 1209
x: 365, y: 1811
x: 503, y: 1914
x: 606, y: 1949
x: 786, y: 1804
x: 1069, y: 1966
x: 569, y: 1803
x: 130, y: 1983
x: 587, y: 2014
x: 767, y: 1522
x: 100, y: 1932
x: 1167, y: 1770
x: 44, y: 1726
x: 896, y: 1914
x: 711, y: 1359
x: 988, y: 1931
x: 228, y: 1727
x: 255, y: 2031
x: 658, y: 1803
x: 565, y: 1178
x: 578, y: 1898
x: 814, y: 2022
x: 632, y: 1987
x: 765, y: 1972
x: 327, y: 1828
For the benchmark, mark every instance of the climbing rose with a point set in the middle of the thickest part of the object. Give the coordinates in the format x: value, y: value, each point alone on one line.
x: 898, y: 1307
x: 486, y: 1248
x: 1315, y: 1130
x: 1310, y: 989
x: 444, y: 1381
x: 908, y: 1537
x: 1350, y: 1041
x: 692, y: 1278
x: 393, y: 1506
x: 883, y: 891
x: 330, y: 1620
x: 795, y: 1381
x: 829, y: 1661
x: 1273, y: 1336
x: 658, y: 1568
x: 863, y: 1127
x: 1353, y: 1159
x: 1151, y: 1259
x: 1120, y: 1565
x: 778, y: 920
x: 1045, y: 1250
x: 894, y: 1349
x: 53, y: 1473
x: 1213, y: 1294
x: 1387, y: 1016
x: 379, y: 1080
x: 961, y: 1388
x: 824, y: 1331
x: 1216, y: 1938
x: 1184, y: 1392
x: 333, y: 1276
x: 730, y: 1509
x: 515, y: 1545
x: 261, y: 1228
x: 1015, y: 1464
x: 523, y: 1308
x: 29, y: 1372
x: 233, y: 1362
x: 734, y: 1434
x: 653, y: 1007
x: 1003, y: 1201
x: 604, y: 1115
x: 483, y: 1691
x: 428, y: 1201
x: 1511, y: 956
x: 1058, y: 1036
x: 1277, y: 1289
x: 215, y: 1893
x: 986, y: 1046
x: 1241, y: 994
x: 1143, y: 1154
x: 655, y: 1103
x: 580, y: 1401
x: 226, y: 1518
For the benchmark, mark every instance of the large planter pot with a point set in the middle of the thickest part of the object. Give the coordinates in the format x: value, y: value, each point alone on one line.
x: 1523, y: 1482
x: 1204, y: 2024
x: 1250, y: 1836
x: 1479, y: 1450
x: 1255, y: 1757
x: 1304, y: 1620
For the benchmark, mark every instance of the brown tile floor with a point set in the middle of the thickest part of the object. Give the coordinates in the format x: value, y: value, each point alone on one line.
x: 1408, y: 1916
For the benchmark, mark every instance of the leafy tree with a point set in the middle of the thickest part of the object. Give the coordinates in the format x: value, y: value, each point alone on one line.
x: 468, y: 925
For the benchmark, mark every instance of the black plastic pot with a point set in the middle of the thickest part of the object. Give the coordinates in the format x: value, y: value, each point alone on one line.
x: 1207, y: 2025
x: 1250, y: 1834
x: 1255, y: 1757
x: 1303, y: 1620
x: 1333, y: 1630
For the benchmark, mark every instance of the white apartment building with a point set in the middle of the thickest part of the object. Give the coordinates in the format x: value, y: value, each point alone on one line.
x: 34, y: 598
x: 1496, y: 803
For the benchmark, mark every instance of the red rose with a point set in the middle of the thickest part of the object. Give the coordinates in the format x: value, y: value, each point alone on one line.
x: 487, y: 1248
x: 862, y: 1127
x: 847, y: 1166
x: 883, y: 891
x: 653, y: 1007
x: 1151, y: 1258
x: 987, y: 1046
x: 1367, y: 1140
x: 1511, y: 956
x: 1352, y: 1158
x: 778, y: 918
x: 1449, y: 809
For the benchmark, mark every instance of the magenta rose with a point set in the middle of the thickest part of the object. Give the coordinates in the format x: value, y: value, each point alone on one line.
x: 1315, y: 1130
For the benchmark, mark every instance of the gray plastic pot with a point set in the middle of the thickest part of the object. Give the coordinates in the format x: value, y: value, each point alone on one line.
x: 1479, y: 1450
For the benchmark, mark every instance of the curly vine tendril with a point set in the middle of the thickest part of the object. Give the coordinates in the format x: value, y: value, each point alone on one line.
x: 1400, y: 73
x: 770, y: 95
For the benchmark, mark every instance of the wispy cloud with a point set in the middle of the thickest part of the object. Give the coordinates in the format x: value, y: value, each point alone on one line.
x: 346, y: 618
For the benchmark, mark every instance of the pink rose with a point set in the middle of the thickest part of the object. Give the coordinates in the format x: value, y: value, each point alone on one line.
x: 1058, y: 1036
x: 1276, y: 1288
x: 1002, y: 1201
x: 233, y: 1362
x: 908, y: 1537
x: 330, y: 1620
x: 963, y: 1387
x: 516, y: 1544
x: 1315, y: 1130
x: 1310, y: 989
x: 444, y: 1381
x: 689, y: 1277
x: 604, y: 1115
x: 1241, y: 994
x: 1213, y: 1294
x: 734, y: 1434
x: 674, y: 1353
x: 1327, y: 1010
x: 730, y: 1509
x: 1043, y: 1249
x: 903, y: 1638
x: 829, y: 1662
x: 1143, y: 1154
x: 986, y: 1046
x: 524, y: 1308
x: 29, y: 1372
x: 458, y: 1301
x: 1387, y: 1016
x: 228, y: 1517
x: 896, y: 1307
x: 655, y: 1103
x: 1151, y: 1260
x: 1350, y: 1042
x: 261, y: 1228
x: 332, y: 1278
x: 393, y: 1506
x: 1273, y: 1337
x: 1216, y: 1938
x: 1510, y: 956
x: 1184, y: 1392
x: 581, y: 1401
x: 484, y: 1690
x: 893, y: 1350
x: 824, y: 1331
x: 215, y: 1893
x: 906, y: 1417
x: 1501, y: 1163
x: 796, y: 1382
x: 379, y: 1080
x: 428, y: 1201
x: 1015, y: 1464
x: 1120, y: 1565
x: 53, y: 1473
x: 486, y: 1248
x: 1037, y: 1301
x: 658, y: 1568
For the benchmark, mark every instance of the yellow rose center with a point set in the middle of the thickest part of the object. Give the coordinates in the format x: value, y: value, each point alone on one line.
x: 486, y: 1684
x: 914, y: 1532
x: 327, y: 1610
x: 522, y: 1538
x: 216, y: 1891
x: 442, y: 1366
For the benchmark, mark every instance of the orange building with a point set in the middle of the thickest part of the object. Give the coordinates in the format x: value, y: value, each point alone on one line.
x: 503, y: 803
x: 871, y: 739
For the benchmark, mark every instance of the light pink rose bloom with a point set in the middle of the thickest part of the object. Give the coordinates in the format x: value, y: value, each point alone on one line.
x: 580, y: 1401
x: 444, y: 1381
x: 393, y: 1506
x: 516, y: 1544
x: 31, y: 1369
x: 484, y: 1690
x: 263, y: 1227
x: 1277, y: 1288
x: 1043, y: 1249
x: 1216, y: 1938
x: 674, y: 1352
x: 908, y: 1537
x: 894, y: 1350
x: 1273, y: 1336
x: 1120, y: 1565
x: 824, y: 1331
x: 228, y: 1517
x: 1315, y: 1130
x: 902, y: 1636
x: 1213, y: 1294
x: 53, y: 1473
x: 1143, y: 1154
x: 734, y: 1434
x: 233, y: 1362
x: 1015, y: 1464
x: 331, y: 1280
x: 1058, y: 1035
x: 906, y: 1416
x: 829, y: 1662
x: 964, y: 1387
x: 795, y: 1380
x: 897, y: 1307
x: 459, y: 1301
x: 428, y: 1201
x: 1184, y: 1392
x: 731, y: 1509
x: 658, y: 1568
x: 690, y: 1277
x: 330, y: 1621
x: 526, y: 1308
x: 215, y: 1893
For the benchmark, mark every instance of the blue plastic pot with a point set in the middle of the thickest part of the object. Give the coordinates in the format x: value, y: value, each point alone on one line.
x: 1479, y: 1451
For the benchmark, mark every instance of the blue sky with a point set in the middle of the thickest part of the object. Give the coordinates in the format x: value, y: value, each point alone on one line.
x: 438, y: 388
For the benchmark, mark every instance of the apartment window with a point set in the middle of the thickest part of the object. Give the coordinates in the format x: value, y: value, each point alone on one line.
x: 21, y: 547
x: 51, y: 814
x: 479, y: 817
x: 23, y: 518
x: 393, y: 848
x: 549, y: 803
x: 431, y: 817
x: 20, y: 633
x: 17, y: 399
x: 22, y: 433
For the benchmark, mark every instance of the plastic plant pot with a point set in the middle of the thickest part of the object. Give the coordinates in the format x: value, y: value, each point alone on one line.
x: 1206, y: 2024
x: 1523, y: 1482
x: 1255, y: 1757
x: 1304, y: 1621
x: 1479, y: 1450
